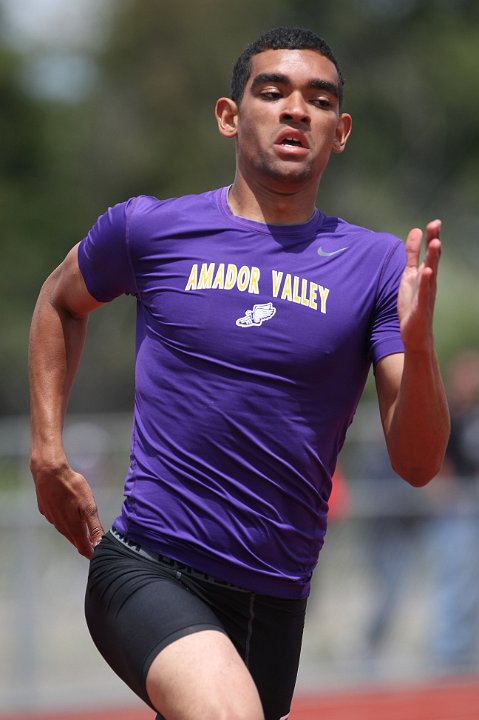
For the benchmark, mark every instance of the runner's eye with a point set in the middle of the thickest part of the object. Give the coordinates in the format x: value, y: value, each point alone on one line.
x: 322, y: 102
x: 271, y: 94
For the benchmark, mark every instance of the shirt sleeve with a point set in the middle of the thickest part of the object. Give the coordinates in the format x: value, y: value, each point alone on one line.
x: 104, y: 257
x: 385, y: 337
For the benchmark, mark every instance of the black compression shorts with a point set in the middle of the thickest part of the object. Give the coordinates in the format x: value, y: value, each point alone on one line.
x: 138, y: 602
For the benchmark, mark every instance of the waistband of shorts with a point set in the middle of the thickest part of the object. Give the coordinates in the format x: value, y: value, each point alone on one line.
x: 175, y: 565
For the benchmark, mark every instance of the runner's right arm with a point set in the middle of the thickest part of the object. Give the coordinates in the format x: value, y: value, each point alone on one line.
x: 57, y: 337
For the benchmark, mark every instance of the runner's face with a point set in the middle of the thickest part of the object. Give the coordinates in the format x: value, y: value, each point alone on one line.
x: 288, y: 121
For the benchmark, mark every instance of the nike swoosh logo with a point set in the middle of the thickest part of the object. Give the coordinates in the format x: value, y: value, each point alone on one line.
x: 325, y: 253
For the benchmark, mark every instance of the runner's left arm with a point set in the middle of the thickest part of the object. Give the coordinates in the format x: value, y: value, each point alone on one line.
x: 412, y: 399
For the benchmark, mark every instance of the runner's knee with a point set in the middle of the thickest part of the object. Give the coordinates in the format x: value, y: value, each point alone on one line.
x: 232, y: 711
x: 219, y: 709
x: 202, y: 676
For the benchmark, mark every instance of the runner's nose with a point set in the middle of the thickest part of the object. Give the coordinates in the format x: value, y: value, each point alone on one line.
x: 295, y: 109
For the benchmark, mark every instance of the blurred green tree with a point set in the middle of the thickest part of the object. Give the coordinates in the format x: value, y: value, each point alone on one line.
x: 147, y: 126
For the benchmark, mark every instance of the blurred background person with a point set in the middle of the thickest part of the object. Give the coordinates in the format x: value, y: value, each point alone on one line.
x: 455, y: 526
x: 391, y: 541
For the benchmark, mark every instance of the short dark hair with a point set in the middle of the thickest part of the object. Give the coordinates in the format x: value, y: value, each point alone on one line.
x: 280, y: 38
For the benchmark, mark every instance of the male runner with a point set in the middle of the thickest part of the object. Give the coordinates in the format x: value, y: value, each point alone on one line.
x: 258, y: 320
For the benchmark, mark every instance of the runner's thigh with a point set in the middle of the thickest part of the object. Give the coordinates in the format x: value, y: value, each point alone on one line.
x: 274, y: 652
x: 267, y: 632
x: 134, y: 609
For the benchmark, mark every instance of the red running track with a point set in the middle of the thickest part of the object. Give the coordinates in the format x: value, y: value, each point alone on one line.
x: 446, y: 700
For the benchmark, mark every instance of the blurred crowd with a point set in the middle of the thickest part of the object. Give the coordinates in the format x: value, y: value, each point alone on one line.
x: 443, y: 518
x: 455, y: 529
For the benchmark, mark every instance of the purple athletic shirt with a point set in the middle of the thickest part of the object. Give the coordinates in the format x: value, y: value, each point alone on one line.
x: 254, y: 343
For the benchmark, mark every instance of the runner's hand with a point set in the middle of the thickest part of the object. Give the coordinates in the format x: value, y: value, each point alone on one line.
x: 66, y: 500
x: 417, y: 291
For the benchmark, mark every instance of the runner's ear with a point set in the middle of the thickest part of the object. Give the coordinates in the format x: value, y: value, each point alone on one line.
x: 343, y: 131
x: 226, y: 112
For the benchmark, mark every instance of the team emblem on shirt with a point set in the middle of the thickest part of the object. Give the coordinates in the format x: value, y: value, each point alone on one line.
x: 258, y: 315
